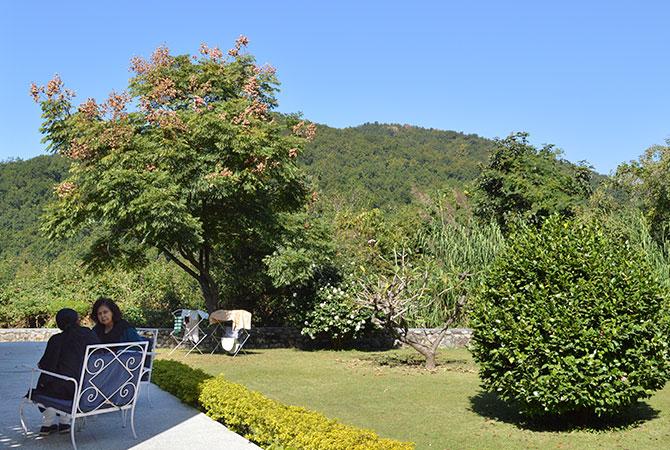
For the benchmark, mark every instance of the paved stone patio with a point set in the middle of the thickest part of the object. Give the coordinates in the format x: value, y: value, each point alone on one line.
x: 167, y: 424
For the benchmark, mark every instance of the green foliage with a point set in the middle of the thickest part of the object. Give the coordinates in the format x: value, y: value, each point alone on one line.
x: 635, y: 225
x: 146, y: 297
x: 274, y: 270
x: 34, y: 296
x: 337, y: 315
x: 180, y: 380
x: 200, y: 170
x: 522, y: 181
x: 39, y: 277
x: 305, y: 252
x: 571, y: 319
x: 648, y: 183
x: 263, y: 421
x: 25, y: 188
x: 363, y: 238
x: 386, y: 165
x: 454, y: 250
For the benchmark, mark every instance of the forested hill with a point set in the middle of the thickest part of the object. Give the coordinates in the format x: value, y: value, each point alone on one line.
x: 369, y: 165
x: 25, y: 187
x: 388, y: 164
x: 372, y: 165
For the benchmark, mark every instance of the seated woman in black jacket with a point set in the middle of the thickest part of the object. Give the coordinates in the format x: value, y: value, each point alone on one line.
x: 64, y: 355
x: 109, y: 325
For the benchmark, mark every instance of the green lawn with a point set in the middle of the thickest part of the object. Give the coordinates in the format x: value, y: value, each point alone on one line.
x: 440, y: 410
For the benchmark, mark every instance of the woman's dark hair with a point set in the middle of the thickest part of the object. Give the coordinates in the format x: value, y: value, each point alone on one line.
x: 108, y: 302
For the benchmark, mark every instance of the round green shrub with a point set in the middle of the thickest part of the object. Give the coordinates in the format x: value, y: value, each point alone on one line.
x: 571, y: 319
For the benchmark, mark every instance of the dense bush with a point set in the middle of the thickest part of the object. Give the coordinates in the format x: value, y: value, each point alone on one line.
x: 36, y: 292
x: 571, y: 319
x: 337, y: 315
x: 261, y: 420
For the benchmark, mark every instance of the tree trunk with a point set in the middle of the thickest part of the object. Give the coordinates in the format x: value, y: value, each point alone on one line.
x: 430, y: 360
x: 198, y: 268
x: 427, y: 351
x: 210, y: 292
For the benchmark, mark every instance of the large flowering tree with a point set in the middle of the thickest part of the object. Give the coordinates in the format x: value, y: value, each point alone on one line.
x: 191, y: 160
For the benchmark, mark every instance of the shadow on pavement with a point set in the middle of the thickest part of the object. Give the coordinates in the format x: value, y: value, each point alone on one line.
x: 166, y: 424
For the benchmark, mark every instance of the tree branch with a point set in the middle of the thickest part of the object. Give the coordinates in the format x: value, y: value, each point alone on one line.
x: 188, y: 257
x: 180, y: 263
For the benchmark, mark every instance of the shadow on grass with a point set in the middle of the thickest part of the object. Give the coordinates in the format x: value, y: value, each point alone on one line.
x: 407, y: 359
x: 242, y: 353
x: 182, y: 353
x: 490, y: 406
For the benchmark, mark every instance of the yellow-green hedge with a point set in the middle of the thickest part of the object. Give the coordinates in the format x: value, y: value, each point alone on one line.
x: 266, y: 422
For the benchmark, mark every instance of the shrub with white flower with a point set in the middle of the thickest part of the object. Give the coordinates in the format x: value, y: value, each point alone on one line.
x: 336, y: 315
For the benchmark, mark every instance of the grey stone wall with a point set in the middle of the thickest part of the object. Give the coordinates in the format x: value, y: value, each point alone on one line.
x: 26, y: 334
x: 263, y: 337
x: 455, y: 337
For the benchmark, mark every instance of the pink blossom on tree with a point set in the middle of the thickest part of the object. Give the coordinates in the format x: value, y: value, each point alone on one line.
x: 226, y: 160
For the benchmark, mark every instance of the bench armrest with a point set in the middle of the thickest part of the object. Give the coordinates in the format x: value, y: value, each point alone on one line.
x: 46, y: 372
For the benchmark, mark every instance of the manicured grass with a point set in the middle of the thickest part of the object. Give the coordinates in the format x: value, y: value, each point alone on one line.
x: 441, y: 410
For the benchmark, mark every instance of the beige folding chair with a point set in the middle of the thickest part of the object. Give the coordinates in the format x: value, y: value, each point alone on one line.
x: 234, y: 326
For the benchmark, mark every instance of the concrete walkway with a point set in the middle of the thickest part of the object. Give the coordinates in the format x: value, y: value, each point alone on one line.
x: 168, y: 424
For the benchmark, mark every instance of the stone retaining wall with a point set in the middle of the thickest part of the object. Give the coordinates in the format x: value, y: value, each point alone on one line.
x: 264, y: 337
x: 455, y: 337
x: 26, y: 334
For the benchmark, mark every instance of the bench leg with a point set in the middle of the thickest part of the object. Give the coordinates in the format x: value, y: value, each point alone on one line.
x: 149, y: 396
x: 132, y: 421
x: 72, y: 425
x: 22, y: 418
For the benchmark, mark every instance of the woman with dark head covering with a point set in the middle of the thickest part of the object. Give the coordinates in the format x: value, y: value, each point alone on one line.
x: 109, y: 325
x: 64, y: 355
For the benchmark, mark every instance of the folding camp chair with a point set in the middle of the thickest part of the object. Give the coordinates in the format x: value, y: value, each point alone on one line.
x: 152, y: 335
x: 188, y: 329
x: 233, y: 327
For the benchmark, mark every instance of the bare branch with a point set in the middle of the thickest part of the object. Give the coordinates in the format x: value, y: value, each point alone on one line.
x: 392, y: 298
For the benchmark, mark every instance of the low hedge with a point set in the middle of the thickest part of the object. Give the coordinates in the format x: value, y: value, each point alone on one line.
x: 263, y: 421
x: 179, y: 380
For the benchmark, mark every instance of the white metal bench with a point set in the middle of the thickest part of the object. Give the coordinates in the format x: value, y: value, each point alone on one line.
x: 152, y: 335
x: 109, y: 382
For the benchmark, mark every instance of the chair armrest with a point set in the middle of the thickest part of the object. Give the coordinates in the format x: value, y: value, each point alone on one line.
x: 53, y: 374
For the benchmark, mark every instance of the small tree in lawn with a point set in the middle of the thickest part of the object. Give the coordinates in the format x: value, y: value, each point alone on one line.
x: 198, y: 168
x: 394, y: 297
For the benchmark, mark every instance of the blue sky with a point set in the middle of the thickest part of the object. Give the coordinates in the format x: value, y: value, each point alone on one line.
x: 590, y: 77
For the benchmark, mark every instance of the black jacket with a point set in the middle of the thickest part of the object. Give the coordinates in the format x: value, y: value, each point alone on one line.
x: 64, y: 355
